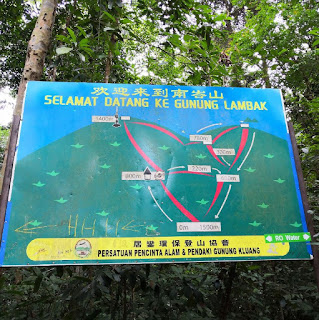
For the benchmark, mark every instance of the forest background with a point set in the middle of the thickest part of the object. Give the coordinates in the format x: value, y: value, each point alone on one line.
x: 241, y: 43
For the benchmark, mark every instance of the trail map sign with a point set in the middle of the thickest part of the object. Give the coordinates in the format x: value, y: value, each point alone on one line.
x: 115, y: 173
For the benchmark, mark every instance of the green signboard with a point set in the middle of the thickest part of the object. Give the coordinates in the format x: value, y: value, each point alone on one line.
x: 115, y: 173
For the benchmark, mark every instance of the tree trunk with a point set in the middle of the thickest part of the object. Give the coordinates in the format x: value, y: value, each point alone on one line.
x: 109, y: 59
x: 226, y: 301
x: 108, y: 66
x: 37, y: 49
x: 266, y: 74
x: 33, y: 68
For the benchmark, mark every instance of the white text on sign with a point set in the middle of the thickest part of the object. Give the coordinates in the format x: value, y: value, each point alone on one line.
x: 224, y: 152
x: 139, y: 175
x: 206, y: 139
x: 227, y: 178
x: 197, y: 168
x: 198, y: 227
x: 103, y: 119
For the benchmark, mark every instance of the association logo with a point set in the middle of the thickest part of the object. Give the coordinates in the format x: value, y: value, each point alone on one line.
x: 83, y: 248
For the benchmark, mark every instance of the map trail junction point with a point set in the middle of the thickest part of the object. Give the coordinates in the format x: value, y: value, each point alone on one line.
x: 116, y: 173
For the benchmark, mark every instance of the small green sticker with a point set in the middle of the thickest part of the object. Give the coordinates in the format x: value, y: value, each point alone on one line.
x: 53, y: 173
x: 279, y: 180
x: 77, y: 146
x: 105, y: 166
x: 288, y: 237
x: 200, y: 156
x: 255, y: 223
x: 39, y: 184
x: 137, y: 187
x: 263, y: 205
x: 296, y: 224
x: 203, y: 201
x: 151, y: 228
x: 164, y: 147
x: 250, y: 169
x: 269, y: 156
x: 61, y: 200
x: 35, y: 223
x: 103, y: 213
x: 115, y: 144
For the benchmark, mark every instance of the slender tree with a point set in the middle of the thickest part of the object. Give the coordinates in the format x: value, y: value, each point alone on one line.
x: 36, y: 52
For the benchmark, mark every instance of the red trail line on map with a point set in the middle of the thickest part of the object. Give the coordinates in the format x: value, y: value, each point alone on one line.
x: 140, y: 151
x: 179, y: 205
x: 217, y: 193
x: 165, y: 131
x: 210, y: 148
x: 191, y: 172
x: 222, y: 133
x: 212, y: 152
x: 244, y: 136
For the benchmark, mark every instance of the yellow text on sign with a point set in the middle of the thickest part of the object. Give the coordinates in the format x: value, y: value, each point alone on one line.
x: 173, y: 248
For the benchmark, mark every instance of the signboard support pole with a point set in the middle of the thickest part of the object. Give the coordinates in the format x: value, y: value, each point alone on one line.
x: 305, y: 202
x: 8, y: 171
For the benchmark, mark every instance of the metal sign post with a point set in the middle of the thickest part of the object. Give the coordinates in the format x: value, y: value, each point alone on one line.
x: 8, y: 172
x: 305, y: 202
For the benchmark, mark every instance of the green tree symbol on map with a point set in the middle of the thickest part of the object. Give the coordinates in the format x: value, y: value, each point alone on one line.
x: 77, y: 146
x: 201, y: 202
x: 102, y: 213
x: 263, y: 205
x: 151, y: 230
x: 53, y: 173
x: 279, y: 180
x: 200, y: 156
x: 255, y: 223
x: 250, y: 170
x: 164, y: 147
x: 61, y: 200
x: 137, y: 187
x: 105, y: 166
x: 39, y: 184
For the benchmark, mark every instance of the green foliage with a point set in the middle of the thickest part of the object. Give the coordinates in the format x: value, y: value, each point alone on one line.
x: 263, y: 290
x: 16, y: 24
x: 4, y: 135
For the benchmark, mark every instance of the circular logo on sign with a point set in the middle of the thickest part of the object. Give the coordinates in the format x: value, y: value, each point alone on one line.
x: 159, y: 175
x: 83, y: 248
